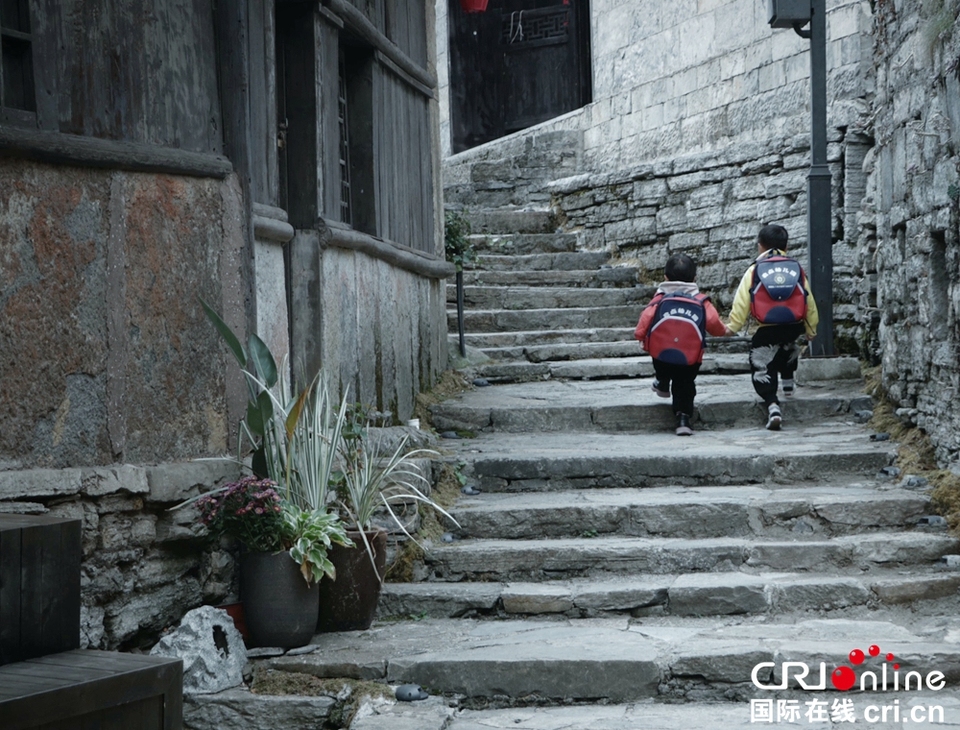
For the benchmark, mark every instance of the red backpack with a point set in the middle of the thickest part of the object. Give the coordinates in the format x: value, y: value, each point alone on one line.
x: 678, y: 330
x: 778, y: 294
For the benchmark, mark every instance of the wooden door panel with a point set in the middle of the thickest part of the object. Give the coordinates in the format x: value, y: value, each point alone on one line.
x: 519, y: 63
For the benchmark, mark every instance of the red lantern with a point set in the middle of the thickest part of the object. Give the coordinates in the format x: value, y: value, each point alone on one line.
x: 473, y: 6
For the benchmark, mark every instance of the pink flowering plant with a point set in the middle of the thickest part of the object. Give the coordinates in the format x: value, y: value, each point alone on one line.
x: 252, y: 512
x: 249, y: 510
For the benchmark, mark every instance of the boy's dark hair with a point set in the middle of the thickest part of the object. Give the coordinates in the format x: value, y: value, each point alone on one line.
x: 680, y: 267
x: 773, y: 236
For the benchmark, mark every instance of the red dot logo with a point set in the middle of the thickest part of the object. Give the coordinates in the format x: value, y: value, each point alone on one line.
x: 889, y: 657
x: 874, y: 650
x: 856, y: 657
x: 843, y: 678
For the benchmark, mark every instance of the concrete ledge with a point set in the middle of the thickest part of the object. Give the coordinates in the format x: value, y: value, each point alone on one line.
x: 828, y: 368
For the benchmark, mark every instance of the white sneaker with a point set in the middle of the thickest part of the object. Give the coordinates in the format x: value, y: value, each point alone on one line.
x: 774, y: 418
x: 789, y: 387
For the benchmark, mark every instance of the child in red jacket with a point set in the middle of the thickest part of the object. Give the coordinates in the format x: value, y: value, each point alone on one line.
x: 672, y: 328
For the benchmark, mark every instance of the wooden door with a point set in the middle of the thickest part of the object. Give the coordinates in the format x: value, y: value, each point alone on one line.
x: 519, y: 63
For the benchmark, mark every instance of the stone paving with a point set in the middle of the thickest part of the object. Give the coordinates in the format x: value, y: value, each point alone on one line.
x: 609, y: 575
x: 626, y: 579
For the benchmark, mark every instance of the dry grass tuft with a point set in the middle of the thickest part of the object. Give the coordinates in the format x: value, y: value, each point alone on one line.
x: 450, y: 384
x: 268, y: 681
x: 916, y: 454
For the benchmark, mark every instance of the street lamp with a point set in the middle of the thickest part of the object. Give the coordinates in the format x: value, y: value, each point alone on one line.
x: 795, y: 14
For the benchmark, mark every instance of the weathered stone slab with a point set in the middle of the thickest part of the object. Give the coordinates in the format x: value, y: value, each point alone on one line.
x: 569, y: 669
x: 110, y: 480
x: 915, y: 588
x: 178, y: 481
x: 33, y: 483
x: 536, y: 598
x: 437, y: 599
x: 236, y: 708
x: 818, y: 592
x: 717, y: 594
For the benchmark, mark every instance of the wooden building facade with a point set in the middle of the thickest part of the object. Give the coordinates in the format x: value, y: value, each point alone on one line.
x: 279, y: 160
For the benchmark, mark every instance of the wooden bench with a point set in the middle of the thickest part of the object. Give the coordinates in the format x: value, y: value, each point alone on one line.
x: 46, y: 682
x: 86, y: 689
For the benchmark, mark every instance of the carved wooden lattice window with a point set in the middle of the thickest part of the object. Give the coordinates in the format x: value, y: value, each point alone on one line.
x: 16, y: 62
x: 346, y: 214
x: 535, y: 27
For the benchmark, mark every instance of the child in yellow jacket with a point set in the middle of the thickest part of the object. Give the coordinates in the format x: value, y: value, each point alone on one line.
x: 775, y: 292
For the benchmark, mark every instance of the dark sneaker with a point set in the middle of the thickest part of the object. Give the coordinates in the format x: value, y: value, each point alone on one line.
x: 774, y: 419
x: 656, y: 389
x: 788, y: 387
x: 683, y: 425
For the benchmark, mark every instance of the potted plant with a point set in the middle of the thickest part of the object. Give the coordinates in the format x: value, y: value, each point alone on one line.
x: 373, y: 487
x: 284, y: 556
x: 307, y: 442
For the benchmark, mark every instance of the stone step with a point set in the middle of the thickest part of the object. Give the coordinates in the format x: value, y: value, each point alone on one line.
x: 553, y: 558
x: 562, y: 261
x: 523, y: 244
x: 511, y: 220
x: 493, y: 340
x: 436, y: 714
x: 526, y: 297
x: 500, y: 320
x: 619, y: 660
x: 692, y: 594
x: 620, y: 368
x: 845, y: 507
x: 605, y: 277
x: 518, y: 462
x: 564, y: 351
x: 723, y: 401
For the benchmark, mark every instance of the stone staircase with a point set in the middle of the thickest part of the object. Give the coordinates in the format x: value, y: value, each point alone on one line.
x: 537, y: 307
x: 609, y: 575
x: 608, y: 570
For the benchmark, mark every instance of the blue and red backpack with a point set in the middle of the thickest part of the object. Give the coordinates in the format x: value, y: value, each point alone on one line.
x: 778, y: 294
x: 678, y: 330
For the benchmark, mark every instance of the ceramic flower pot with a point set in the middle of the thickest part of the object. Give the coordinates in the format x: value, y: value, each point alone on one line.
x: 349, y: 603
x: 279, y: 607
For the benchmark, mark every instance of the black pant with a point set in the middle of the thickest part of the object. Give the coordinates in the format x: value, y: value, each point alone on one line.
x: 684, y: 383
x: 774, y: 352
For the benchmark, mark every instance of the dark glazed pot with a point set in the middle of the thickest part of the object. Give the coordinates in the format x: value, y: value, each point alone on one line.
x: 349, y: 603
x: 279, y: 607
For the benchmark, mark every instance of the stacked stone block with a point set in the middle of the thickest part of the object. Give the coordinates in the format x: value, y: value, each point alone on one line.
x: 909, y: 224
x: 711, y: 206
x: 142, y: 564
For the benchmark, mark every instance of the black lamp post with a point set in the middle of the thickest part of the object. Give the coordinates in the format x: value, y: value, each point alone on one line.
x: 795, y: 14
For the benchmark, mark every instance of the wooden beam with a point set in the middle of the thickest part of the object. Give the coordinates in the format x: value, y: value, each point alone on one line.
x: 385, y: 61
x: 334, y: 233
x: 73, y: 149
x: 357, y: 22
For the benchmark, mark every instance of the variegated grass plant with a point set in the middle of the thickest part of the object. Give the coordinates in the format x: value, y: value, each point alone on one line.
x: 372, y: 482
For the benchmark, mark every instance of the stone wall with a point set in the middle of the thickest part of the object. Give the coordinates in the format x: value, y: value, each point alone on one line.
x: 377, y: 329
x: 143, y: 565
x: 683, y: 76
x: 108, y: 356
x: 909, y: 242
x: 111, y: 366
x: 710, y: 206
x: 699, y: 134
